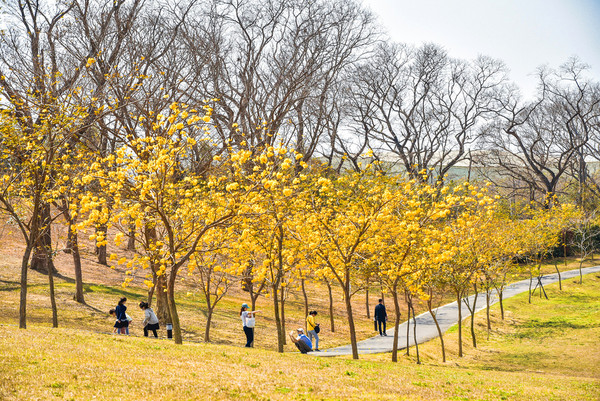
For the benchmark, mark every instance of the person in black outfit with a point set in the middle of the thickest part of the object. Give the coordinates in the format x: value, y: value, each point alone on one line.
x: 381, y: 317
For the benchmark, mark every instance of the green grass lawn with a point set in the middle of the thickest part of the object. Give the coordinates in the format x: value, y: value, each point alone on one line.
x: 555, y: 336
x: 547, y: 350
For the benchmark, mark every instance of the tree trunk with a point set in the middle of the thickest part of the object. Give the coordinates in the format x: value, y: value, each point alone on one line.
x: 487, y: 312
x: 68, y: 245
x: 23, y: 295
x: 73, y: 240
x: 173, y: 310
x: 472, y: 310
x: 254, y: 294
x: 37, y: 261
x: 407, y: 298
x: 209, y: 315
x: 101, y: 250
x: 580, y: 273
x: 42, y: 253
x: 276, y: 283
x: 396, y: 323
x: 458, y: 302
x: 559, y: 278
x: 367, y: 299
x: 437, y: 326
x: 565, y: 247
x: 415, y: 332
x: 253, y: 299
x: 159, y: 286
x: 501, y: 301
x: 162, y: 303
x: 530, y: 280
x: 246, y: 282
x: 280, y: 333
x: 542, y: 289
x: 52, y: 296
x: 305, y: 302
x: 331, y: 320
x: 131, y: 240
x: 151, y: 292
x: 351, y: 322
x: 248, y: 286
x: 283, y: 315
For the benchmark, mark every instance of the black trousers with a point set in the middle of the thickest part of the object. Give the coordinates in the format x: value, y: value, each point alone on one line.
x: 379, y: 323
x: 152, y: 327
x: 249, y: 331
x: 303, y: 347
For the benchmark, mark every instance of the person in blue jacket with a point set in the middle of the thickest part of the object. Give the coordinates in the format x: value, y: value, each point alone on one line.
x: 122, y: 323
x: 381, y: 317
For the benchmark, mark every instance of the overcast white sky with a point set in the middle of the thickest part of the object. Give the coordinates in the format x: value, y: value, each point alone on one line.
x: 523, y: 33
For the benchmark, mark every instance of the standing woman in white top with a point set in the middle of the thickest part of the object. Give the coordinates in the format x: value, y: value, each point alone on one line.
x: 150, y: 320
x: 248, y: 322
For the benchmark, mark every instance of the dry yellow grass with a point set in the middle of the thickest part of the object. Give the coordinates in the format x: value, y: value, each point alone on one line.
x: 44, y: 363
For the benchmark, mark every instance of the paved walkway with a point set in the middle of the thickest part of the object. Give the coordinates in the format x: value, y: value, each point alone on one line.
x: 447, y: 317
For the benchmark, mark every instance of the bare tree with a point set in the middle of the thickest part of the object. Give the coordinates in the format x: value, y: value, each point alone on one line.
x: 534, y: 144
x: 274, y: 66
x: 213, y: 280
x: 586, y: 233
x: 421, y: 107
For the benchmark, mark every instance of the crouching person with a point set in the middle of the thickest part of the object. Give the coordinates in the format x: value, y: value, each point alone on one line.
x: 302, y: 342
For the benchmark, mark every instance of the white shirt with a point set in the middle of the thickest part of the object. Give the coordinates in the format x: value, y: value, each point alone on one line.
x: 245, y: 316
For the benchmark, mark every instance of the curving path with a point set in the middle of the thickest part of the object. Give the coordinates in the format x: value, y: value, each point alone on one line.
x: 447, y: 316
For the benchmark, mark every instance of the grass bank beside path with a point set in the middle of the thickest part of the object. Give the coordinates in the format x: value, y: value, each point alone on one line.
x: 544, y: 351
x: 558, y: 336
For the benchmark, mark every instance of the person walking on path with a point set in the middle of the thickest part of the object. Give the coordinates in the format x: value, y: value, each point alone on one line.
x: 150, y: 320
x: 381, y: 317
x: 122, y: 322
x: 313, y: 328
x: 248, y: 323
x: 302, y: 342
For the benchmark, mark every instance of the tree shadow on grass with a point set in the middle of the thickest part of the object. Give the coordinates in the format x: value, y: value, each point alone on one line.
x: 15, y: 285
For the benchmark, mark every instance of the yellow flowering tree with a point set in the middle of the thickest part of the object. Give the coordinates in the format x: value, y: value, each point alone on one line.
x: 413, y: 251
x: 344, y: 215
x: 66, y: 196
x: 32, y: 177
x: 147, y: 182
x: 502, y: 246
x: 274, y: 188
x: 465, y: 233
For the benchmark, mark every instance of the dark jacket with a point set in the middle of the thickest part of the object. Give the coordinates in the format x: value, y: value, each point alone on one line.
x: 380, y: 313
x: 120, y: 312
